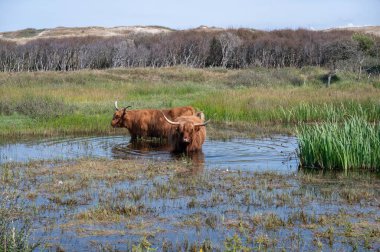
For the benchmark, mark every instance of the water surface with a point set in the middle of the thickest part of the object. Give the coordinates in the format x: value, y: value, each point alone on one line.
x: 290, y: 210
x: 276, y: 153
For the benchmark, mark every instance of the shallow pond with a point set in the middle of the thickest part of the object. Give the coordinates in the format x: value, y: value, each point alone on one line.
x: 123, y: 196
x: 277, y: 153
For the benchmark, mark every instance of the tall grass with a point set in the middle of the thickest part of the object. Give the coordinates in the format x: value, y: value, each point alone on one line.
x: 338, y: 112
x: 238, y: 108
x: 51, y: 103
x: 355, y: 144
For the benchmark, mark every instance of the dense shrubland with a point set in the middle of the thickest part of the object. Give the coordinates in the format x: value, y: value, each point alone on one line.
x: 233, y: 48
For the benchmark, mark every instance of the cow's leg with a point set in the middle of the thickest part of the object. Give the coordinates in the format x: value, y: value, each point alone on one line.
x: 133, y: 138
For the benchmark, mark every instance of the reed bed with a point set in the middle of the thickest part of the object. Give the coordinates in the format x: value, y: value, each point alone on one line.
x: 352, y: 145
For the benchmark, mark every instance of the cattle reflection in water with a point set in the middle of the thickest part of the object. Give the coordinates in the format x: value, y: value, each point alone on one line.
x: 154, y: 150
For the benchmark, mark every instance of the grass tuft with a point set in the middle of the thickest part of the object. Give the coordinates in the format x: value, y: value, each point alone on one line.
x: 355, y: 144
x: 15, y: 229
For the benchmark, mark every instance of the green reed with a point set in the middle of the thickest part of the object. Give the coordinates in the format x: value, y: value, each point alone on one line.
x: 353, y: 144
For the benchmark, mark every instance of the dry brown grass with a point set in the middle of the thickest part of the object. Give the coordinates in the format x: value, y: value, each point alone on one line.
x: 26, y: 35
x: 23, y: 36
x: 373, y: 30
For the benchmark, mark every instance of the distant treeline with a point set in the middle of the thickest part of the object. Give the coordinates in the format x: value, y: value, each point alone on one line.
x: 233, y: 48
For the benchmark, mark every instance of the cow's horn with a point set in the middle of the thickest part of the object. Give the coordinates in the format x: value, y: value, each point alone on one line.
x: 171, y: 122
x: 116, y: 106
x: 202, y: 124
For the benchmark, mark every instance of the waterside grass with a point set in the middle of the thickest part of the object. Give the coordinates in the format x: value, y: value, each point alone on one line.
x: 15, y: 224
x: 61, y: 103
x: 354, y: 144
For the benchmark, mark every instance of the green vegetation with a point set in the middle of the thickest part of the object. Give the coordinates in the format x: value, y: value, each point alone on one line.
x: 214, y: 209
x: 365, y: 42
x: 355, y: 144
x: 141, y: 205
x: 14, y: 225
x: 57, y: 103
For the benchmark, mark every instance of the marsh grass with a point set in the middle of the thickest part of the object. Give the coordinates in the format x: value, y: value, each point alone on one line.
x: 288, y: 105
x: 15, y: 227
x: 36, y: 107
x: 122, y: 202
x: 355, y: 144
x: 57, y: 103
x: 112, y: 212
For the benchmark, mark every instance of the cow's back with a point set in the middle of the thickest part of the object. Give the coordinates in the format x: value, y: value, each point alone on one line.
x: 159, y: 127
x: 174, y: 113
x: 151, y: 123
x: 138, y: 122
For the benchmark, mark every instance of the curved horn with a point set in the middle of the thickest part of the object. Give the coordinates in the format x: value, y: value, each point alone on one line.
x: 171, y: 122
x: 117, y: 108
x: 202, y: 124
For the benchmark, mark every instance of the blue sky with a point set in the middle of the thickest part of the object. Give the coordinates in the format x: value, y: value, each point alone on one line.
x: 267, y: 15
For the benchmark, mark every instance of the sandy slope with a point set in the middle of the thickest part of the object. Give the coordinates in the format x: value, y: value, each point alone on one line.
x: 374, y: 30
x: 22, y: 36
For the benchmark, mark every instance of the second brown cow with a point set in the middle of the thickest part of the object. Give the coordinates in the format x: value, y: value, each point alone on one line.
x: 188, y: 133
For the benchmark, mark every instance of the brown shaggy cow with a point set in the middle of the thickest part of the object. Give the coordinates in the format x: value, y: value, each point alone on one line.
x: 147, y: 122
x: 188, y: 133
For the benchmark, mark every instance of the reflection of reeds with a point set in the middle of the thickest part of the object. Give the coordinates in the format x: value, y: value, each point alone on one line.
x: 355, y: 144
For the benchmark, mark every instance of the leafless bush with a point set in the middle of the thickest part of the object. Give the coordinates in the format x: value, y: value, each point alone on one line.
x: 231, y: 48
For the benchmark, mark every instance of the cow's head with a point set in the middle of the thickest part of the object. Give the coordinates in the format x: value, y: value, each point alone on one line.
x: 185, y: 129
x: 119, y: 116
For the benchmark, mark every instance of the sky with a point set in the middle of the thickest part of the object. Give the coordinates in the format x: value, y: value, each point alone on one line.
x: 177, y: 14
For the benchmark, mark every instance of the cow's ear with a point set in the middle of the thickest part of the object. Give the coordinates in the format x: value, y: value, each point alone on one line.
x: 197, y: 128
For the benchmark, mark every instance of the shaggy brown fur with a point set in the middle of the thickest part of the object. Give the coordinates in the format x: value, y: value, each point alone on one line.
x: 186, y: 137
x: 148, y: 122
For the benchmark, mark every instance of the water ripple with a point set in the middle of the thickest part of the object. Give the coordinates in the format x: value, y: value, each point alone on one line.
x: 277, y: 153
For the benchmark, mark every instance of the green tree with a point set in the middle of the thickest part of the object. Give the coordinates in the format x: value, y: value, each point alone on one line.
x: 334, y: 52
x: 365, y: 45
